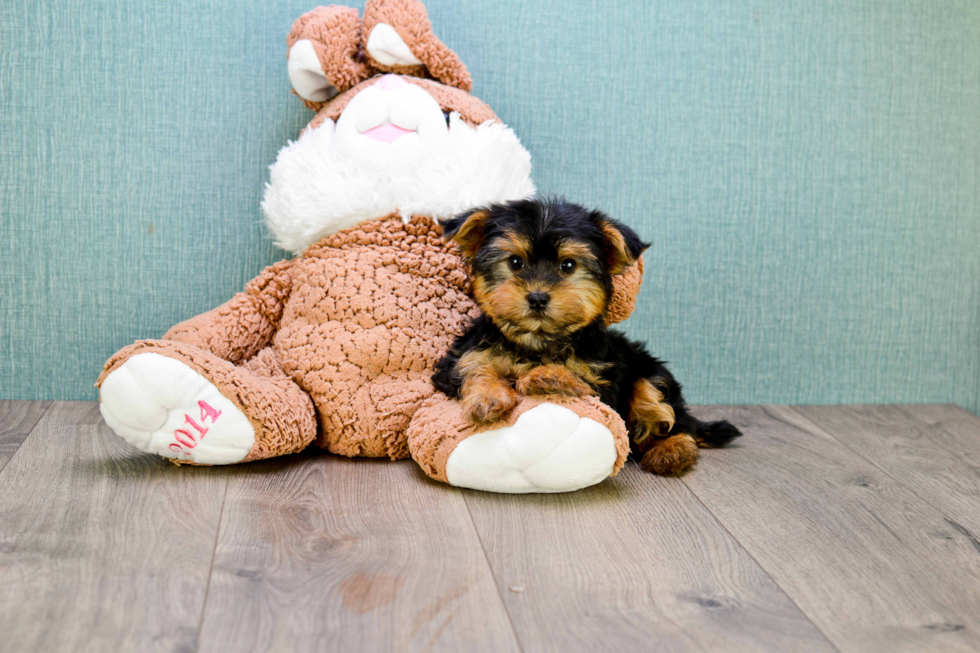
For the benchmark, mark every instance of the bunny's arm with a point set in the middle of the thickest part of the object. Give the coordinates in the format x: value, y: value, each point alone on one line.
x: 245, y: 324
x: 626, y: 287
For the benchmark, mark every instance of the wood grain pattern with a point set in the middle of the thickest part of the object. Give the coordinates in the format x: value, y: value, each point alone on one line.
x: 320, y: 553
x: 17, y: 418
x: 823, y: 529
x: 942, y: 413
x: 633, y: 564
x: 102, y: 548
x: 930, y: 460
x: 874, y: 566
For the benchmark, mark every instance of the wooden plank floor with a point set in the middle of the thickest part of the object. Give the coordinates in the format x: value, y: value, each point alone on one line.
x: 831, y: 528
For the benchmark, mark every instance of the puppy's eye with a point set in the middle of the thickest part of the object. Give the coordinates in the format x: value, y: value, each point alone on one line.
x: 515, y: 263
x: 568, y: 266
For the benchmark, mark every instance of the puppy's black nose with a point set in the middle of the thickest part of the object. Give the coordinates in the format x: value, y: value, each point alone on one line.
x: 538, y: 300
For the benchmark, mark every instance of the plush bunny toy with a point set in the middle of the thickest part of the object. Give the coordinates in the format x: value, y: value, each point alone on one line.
x: 337, y: 345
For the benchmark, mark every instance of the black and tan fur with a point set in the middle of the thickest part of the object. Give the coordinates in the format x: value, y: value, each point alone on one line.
x: 542, y: 275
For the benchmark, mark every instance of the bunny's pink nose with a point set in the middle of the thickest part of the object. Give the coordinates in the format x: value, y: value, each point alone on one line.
x: 390, y: 83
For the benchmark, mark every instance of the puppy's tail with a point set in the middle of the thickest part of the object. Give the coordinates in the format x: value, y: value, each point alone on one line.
x: 710, y: 435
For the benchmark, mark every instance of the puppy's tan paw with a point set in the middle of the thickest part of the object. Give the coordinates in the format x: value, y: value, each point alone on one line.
x: 489, y: 403
x: 671, y: 456
x: 553, y: 380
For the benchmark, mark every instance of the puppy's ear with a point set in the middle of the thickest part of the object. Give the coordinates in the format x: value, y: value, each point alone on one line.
x: 623, y: 245
x: 467, y: 230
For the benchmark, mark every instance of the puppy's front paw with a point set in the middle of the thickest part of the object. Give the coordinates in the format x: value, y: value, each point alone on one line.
x: 553, y: 380
x: 489, y: 403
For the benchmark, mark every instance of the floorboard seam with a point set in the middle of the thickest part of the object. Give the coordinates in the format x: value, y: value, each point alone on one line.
x: 214, y: 552
x: 29, y: 434
x: 928, y: 501
x: 775, y: 582
x: 493, y: 576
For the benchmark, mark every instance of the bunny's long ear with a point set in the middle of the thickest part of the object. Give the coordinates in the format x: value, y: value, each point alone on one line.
x: 322, y: 55
x: 467, y: 230
x: 398, y: 37
x: 623, y: 245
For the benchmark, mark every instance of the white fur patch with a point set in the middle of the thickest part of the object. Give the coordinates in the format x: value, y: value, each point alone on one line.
x: 334, y: 177
x: 159, y: 405
x: 548, y: 449
x: 388, y: 48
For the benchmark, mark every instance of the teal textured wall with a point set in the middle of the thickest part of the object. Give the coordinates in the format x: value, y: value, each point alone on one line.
x: 809, y: 176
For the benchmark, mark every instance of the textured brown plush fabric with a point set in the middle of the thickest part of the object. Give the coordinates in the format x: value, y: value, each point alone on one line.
x: 410, y: 19
x: 335, y: 33
x: 439, y: 426
x: 470, y: 108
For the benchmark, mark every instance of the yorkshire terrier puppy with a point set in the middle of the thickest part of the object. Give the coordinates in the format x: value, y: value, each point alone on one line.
x: 542, y: 275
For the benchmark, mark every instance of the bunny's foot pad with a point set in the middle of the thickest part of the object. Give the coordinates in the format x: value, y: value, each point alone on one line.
x: 549, y: 448
x: 162, y: 406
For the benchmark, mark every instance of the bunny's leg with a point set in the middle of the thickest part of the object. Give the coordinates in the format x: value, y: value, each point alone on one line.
x: 553, y: 444
x: 187, y: 404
